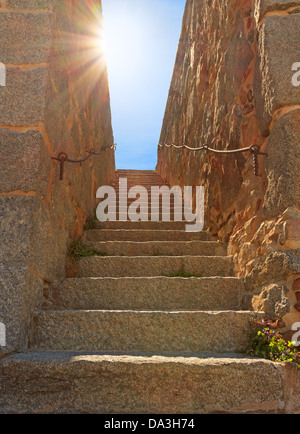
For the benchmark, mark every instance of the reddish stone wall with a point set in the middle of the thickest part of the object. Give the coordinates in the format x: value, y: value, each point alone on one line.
x: 231, y: 88
x: 56, y: 99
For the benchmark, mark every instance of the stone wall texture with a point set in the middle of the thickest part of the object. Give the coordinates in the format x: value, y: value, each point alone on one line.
x: 56, y: 99
x: 232, y: 87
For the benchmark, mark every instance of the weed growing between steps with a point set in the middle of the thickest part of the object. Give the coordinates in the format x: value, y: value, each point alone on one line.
x: 91, y: 222
x: 266, y: 341
x: 77, y: 250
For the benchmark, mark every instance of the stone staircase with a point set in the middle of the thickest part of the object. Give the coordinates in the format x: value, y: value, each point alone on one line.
x: 153, y: 325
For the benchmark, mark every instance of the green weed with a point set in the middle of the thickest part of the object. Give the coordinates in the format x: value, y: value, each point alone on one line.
x: 268, y: 343
x: 77, y: 250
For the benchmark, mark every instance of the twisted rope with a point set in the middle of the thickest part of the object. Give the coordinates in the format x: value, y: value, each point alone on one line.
x: 254, y: 149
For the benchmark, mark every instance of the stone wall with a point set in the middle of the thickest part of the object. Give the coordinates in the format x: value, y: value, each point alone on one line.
x: 234, y: 85
x: 56, y: 99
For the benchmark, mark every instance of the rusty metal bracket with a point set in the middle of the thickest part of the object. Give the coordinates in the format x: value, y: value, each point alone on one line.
x: 63, y: 158
x: 255, y: 149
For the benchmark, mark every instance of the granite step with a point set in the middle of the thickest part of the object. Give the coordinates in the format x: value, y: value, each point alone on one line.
x: 158, y: 248
x: 76, y: 383
x: 157, y: 332
x: 147, y: 293
x: 148, y: 266
x: 146, y: 234
x: 158, y: 226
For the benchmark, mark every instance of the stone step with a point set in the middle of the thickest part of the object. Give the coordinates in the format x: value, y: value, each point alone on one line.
x: 136, y: 172
x: 158, y: 332
x: 142, y: 173
x: 161, y: 209
x: 146, y: 186
x: 140, y: 178
x: 152, y: 216
x: 158, y: 248
x: 145, y: 234
x: 148, y: 266
x: 117, y: 184
x: 53, y: 383
x: 148, y: 293
x: 144, y: 203
x: 143, y: 225
x: 165, y: 218
x: 148, y: 204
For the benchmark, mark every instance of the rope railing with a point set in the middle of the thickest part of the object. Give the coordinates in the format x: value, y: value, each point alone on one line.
x: 254, y: 149
x: 63, y: 158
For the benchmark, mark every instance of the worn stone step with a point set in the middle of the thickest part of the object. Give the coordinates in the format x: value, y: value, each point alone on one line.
x: 147, y: 203
x: 130, y: 172
x: 148, y: 293
x: 161, y: 217
x: 145, y: 234
x: 156, y: 331
x: 151, y: 210
x: 133, y: 182
x: 158, y: 248
x: 142, y: 179
x: 137, y: 172
x: 147, y: 266
x: 143, y: 225
x: 52, y: 382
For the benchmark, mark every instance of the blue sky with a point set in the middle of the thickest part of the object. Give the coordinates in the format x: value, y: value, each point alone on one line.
x: 141, y: 38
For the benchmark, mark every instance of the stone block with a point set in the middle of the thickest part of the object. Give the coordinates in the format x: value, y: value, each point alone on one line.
x: 30, y: 238
x: 264, y: 6
x: 16, y: 217
x: 29, y: 4
x: 292, y: 233
x: 275, y: 267
x: 272, y: 301
x: 25, y: 162
x: 22, y: 101
x: 20, y: 292
x: 278, y: 48
x: 283, y: 165
x: 25, y: 37
x: 33, y: 252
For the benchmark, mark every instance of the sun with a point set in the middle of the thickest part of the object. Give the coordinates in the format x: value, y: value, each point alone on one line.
x: 100, y: 44
x: 124, y: 47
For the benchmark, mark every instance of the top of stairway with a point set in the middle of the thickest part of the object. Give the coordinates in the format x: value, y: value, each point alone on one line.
x: 137, y: 171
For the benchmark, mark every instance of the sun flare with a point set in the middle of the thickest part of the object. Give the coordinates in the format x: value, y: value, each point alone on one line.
x: 124, y: 46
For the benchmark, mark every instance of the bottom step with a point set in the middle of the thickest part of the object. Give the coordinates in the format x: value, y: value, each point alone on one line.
x: 132, y: 384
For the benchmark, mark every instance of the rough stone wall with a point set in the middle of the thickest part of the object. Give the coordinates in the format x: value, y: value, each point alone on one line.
x: 56, y: 99
x: 231, y: 88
